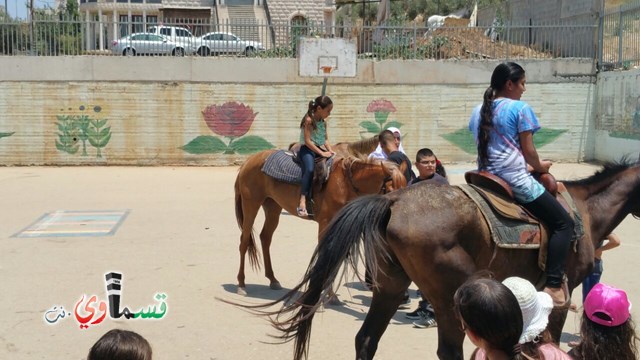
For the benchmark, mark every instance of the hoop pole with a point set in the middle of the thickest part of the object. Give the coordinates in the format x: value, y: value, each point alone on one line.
x: 324, y: 86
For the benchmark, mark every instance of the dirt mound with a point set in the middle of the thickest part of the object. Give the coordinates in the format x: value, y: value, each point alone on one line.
x: 472, y: 43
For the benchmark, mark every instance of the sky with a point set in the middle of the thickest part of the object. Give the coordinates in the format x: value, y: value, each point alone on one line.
x: 19, y: 7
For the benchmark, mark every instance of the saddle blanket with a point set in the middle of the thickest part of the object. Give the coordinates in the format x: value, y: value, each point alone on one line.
x: 281, y: 166
x: 512, y: 227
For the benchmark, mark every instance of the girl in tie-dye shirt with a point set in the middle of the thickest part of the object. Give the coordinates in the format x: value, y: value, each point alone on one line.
x: 503, y: 127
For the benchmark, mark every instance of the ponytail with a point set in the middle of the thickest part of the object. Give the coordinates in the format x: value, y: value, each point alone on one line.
x: 485, y: 126
x: 321, y: 101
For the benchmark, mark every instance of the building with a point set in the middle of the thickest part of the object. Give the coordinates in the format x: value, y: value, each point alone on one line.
x: 112, y: 19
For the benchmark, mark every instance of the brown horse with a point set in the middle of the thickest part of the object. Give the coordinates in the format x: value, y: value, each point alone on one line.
x: 350, y: 177
x: 436, y: 237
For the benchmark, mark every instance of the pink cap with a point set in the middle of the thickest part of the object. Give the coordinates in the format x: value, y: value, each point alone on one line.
x: 609, y: 301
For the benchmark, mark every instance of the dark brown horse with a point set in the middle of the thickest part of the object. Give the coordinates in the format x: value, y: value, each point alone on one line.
x: 350, y: 177
x: 436, y: 237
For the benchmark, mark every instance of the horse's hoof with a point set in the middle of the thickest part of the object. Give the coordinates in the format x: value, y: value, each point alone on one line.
x: 334, y: 301
x: 242, y: 291
x: 275, y: 285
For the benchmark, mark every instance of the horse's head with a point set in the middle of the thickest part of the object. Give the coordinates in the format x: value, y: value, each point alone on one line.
x: 395, y: 177
x: 371, y: 176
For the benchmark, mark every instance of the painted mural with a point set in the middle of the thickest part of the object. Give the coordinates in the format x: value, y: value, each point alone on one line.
x: 463, y: 138
x: 381, y: 109
x: 76, y: 131
x: 628, y: 125
x: 231, y: 121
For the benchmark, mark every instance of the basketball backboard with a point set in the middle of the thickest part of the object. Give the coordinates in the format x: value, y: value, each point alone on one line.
x: 330, y: 57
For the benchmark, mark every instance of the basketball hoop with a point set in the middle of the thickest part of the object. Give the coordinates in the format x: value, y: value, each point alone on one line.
x: 326, y: 69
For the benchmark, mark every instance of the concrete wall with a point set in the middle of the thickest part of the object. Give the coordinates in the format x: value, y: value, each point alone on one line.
x: 153, y: 111
x: 617, y: 116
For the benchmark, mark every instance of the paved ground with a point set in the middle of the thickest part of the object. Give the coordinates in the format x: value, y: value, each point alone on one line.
x: 180, y: 238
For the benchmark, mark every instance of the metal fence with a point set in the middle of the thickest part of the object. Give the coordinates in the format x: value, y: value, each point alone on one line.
x: 80, y: 37
x: 619, y: 37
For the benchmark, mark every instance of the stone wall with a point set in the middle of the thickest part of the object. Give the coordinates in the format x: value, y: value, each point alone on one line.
x: 167, y: 111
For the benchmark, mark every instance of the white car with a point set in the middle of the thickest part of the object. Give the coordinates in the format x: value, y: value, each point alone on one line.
x: 176, y: 34
x: 225, y: 43
x: 148, y: 44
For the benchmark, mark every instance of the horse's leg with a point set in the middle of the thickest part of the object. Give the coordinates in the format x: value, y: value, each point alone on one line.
x: 249, y: 211
x: 392, y: 283
x: 272, y: 217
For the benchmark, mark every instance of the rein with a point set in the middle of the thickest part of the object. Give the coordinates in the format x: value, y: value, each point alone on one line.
x: 383, y: 188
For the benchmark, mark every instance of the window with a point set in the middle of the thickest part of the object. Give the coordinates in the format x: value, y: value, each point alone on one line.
x: 165, y: 31
x: 152, y: 19
x: 155, y: 37
x: 138, y: 37
x: 183, y: 33
x: 123, y: 25
x: 228, y: 37
x: 138, y: 26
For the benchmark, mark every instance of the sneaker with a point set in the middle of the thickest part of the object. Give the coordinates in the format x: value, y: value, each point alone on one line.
x: 427, y: 321
x: 418, y: 314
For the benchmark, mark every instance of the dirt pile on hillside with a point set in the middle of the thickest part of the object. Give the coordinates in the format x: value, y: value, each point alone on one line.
x: 456, y: 40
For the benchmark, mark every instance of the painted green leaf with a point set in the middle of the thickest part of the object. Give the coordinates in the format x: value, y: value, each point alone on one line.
x: 5, y: 134
x: 100, y: 123
x: 250, y: 144
x: 101, y: 141
x: 393, y: 123
x: 205, y: 144
x: 546, y: 136
x: 462, y: 138
x: 370, y: 126
x: 624, y: 135
x: 70, y: 149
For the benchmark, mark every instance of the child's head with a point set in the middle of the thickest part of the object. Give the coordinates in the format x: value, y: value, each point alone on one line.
x: 119, y: 344
x: 607, y: 306
x: 489, y: 311
x: 535, y: 305
x: 426, y: 162
x: 396, y: 134
x: 607, y: 330
x: 388, y: 141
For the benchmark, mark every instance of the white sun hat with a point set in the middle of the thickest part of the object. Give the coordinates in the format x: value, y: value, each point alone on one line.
x: 535, y: 306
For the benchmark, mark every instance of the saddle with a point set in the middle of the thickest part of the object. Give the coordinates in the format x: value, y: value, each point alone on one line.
x: 284, y: 166
x: 511, y: 225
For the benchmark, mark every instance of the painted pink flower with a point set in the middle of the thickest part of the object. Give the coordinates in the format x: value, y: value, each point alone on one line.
x: 381, y: 105
x: 231, y: 119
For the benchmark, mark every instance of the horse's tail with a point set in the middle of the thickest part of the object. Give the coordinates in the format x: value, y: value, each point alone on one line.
x: 251, y: 247
x: 364, y: 218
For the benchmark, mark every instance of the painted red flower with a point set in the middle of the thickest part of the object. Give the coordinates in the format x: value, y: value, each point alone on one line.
x: 231, y: 119
x: 381, y: 105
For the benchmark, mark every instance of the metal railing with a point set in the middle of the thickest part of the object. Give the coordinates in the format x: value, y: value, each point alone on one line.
x: 619, y: 37
x: 55, y: 37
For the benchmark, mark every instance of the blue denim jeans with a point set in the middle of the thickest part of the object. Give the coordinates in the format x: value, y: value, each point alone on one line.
x: 307, y: 158
x: 590, y: 281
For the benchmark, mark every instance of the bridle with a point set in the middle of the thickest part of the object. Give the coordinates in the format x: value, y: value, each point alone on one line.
x: 383, y: 188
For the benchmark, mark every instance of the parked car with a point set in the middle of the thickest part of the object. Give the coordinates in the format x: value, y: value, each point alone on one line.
x: 149, y: 44
x: 177, y: 34
x: 225, y: 43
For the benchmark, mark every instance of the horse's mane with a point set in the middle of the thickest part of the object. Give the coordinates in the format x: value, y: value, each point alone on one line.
x: 609, y: 169
x: 362, y: 147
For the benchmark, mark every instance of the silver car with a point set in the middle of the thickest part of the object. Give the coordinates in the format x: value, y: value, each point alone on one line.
x: 225, y: 43
x: 149, y: 44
